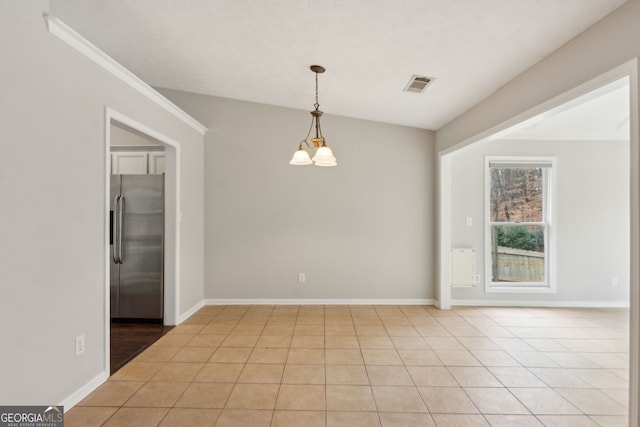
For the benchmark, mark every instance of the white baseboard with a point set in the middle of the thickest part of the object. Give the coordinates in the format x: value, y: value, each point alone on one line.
x: 319, y: 302
x: 197, y: 306
x: 459, y: 302
x: 550, y: 304
x: 84, y: 391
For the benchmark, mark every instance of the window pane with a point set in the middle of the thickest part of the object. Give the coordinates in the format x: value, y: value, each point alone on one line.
x: 516, y: 194
x: 517, y: 253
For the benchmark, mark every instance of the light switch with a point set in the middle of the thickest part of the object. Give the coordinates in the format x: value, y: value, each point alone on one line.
x: 469, y: 221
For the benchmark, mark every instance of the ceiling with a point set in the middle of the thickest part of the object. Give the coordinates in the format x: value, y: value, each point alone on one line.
x: 260, y: 51
x: 600, y: 115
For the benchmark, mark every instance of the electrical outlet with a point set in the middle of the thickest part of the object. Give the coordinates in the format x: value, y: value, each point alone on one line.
x: 614, y: 281
x: 79, y: 345
x: 302, y: 278
x: 476, y: 279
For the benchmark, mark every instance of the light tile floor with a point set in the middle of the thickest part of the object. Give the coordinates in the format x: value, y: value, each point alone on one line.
x: 333, y: 366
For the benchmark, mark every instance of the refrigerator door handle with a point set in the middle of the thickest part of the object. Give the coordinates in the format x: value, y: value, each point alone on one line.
x: 115, y: 224
x: 120, y: 227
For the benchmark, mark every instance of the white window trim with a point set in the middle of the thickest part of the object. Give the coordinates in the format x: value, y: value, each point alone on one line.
x: 550, y: 243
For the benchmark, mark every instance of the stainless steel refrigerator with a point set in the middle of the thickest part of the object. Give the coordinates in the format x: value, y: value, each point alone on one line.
x: 137, y: 246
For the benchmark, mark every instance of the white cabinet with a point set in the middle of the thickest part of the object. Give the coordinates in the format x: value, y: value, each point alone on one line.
x: 129, y: 163
x: 156, y: 163
x: 137, y: 162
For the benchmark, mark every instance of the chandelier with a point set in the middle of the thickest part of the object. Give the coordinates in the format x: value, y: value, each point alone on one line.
x: 323, y: 155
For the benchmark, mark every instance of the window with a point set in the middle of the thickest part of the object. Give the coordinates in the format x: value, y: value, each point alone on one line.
x: 519, y: 238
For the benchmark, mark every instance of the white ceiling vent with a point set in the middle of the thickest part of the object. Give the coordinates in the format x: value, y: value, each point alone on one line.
x: 418, y: 84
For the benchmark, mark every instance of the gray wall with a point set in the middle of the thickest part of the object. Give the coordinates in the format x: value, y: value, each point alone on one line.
x: 125, y: 138
x: 361, y: 230
x: 592, y: 217
x: 52, y: 215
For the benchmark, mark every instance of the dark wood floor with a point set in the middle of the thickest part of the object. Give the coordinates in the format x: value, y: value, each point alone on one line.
x: 128, y: 339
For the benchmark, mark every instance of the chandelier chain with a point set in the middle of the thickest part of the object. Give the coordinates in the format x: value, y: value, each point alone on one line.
x: 316, y: 105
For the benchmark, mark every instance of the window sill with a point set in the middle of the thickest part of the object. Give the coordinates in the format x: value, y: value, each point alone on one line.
x: 520, y: 289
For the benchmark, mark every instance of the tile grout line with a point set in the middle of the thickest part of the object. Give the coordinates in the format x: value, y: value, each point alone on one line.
x: 255, y: 316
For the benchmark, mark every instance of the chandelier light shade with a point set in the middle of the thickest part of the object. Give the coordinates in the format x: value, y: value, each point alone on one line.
x: 323, y: 155
x: 300, y: 158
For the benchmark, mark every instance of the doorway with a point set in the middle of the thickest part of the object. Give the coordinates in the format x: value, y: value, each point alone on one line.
x: 549, y: 203
x: 444, y: 294
x: 602, y: 109
x: 136, y: 243
x: 142, y: 310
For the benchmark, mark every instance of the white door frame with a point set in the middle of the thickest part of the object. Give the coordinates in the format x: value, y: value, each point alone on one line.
x: 443, y: 289
x: 171, y: 224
